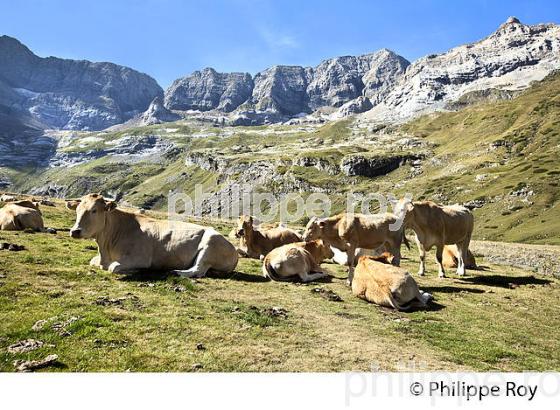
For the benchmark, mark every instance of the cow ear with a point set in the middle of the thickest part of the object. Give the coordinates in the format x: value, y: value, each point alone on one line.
x: 110, y: 206
x: 251, y: 220
x: 72, y: 204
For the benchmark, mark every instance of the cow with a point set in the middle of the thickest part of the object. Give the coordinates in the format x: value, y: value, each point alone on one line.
x: 128, y: 241
x: 7, y: 198
x: 297, y: 260
x: 437, y: 225
x: 450, y: 258
x: 256, y: 243
x: 348, y: 232
x: 20, y: 215
x: 387, y: 285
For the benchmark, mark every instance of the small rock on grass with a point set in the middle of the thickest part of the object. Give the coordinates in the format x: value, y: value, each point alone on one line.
x: 197, y: 366
x: 327, y: 294
x: 30, y: 365
x: 24, y: 346
x: 200, y: 346
x: 39, y: 325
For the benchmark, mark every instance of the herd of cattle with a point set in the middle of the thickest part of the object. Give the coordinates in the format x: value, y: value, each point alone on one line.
x: 130, y: 241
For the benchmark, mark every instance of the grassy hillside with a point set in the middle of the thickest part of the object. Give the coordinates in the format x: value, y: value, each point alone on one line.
x: 497, y: 319
x: 511, y: 146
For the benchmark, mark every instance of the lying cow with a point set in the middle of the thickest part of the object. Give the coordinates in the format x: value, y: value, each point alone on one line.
x: 7, y: 198
x: 348, y: 232
x: 387, y: 285
x: 297, y: 260
x: 450, y: 260
x: 20, y: 215
x: 255, y: 243
x: 437, y: 225
x: 128, y: 241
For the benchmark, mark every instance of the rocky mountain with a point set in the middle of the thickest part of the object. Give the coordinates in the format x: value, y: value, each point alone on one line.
x: 207, y: 90
x: 508, y: 60
x: 282, y: 92
x: 70, y: 94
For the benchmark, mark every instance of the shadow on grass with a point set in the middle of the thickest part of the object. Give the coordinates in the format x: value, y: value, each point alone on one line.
x: 236, y: 275
x: 450, y: 289
x: 506, y: 281
x: 146, y: 276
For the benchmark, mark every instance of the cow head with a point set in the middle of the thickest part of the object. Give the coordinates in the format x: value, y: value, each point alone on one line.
x: 91, y: 213
x: 403, y: 207
x: 314, y: 229
x: 244, y: 224
x: 322, y: 251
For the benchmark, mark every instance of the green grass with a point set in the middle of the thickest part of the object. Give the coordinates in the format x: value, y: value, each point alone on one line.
x: 498, y: 319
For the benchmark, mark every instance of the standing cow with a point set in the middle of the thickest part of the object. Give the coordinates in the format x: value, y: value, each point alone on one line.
x: 128, y: 241
x: 348, y: 232
x: 437, y: 225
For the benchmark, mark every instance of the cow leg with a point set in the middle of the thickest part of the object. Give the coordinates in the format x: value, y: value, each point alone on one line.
x: 309, y: 277
x: 120, y: 267
x: 461, y: 254
x: 422, y: 252
x: 200, y: 267
x: 439, y: 258
x: 350, y: 253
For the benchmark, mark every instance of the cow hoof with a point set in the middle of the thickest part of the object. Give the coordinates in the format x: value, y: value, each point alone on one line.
x: 348, y: 282
x: 442, y: 276
x: 421, y: 273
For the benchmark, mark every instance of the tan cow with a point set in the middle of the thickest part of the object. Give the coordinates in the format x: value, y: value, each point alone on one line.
x: 20, y: 215
x: 7, y: 198
x: 128, y: 241
x: 450, y: 260
x: 437, y: 225
x: 299, y: 259
x: 348, y: 232
x: 255, y: 243
x: 387, y: 285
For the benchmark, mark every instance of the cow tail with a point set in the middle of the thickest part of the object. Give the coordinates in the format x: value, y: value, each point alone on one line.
x: 269, y: 272
x: 405, y: 240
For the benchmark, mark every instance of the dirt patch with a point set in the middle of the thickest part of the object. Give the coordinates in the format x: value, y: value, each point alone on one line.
x: 544, y: 259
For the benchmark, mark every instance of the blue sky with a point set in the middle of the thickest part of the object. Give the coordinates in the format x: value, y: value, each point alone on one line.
x: 171, y: 38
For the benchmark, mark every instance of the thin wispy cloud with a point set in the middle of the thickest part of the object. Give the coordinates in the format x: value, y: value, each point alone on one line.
x: 276, y: 39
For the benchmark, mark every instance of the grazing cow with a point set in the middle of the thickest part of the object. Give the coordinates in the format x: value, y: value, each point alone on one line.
x: 387, y: 285
x: 20, y: 215
x: 437, y: 225
x: 255, y: 243
x: 128, y: 241
x: 299, y: 259
x: 348, y: 232
x: 450, y: 260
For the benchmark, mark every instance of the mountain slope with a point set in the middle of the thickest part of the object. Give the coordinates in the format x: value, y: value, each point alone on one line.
x: 70, y: 94
x: 509, y: 59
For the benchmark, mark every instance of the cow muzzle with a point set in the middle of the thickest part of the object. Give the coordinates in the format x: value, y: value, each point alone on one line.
x: 76, y: 233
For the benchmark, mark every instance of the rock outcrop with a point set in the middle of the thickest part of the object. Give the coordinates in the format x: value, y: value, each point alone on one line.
x: 372, y: 166
x: 70, y: 94
x: 157, y: 113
